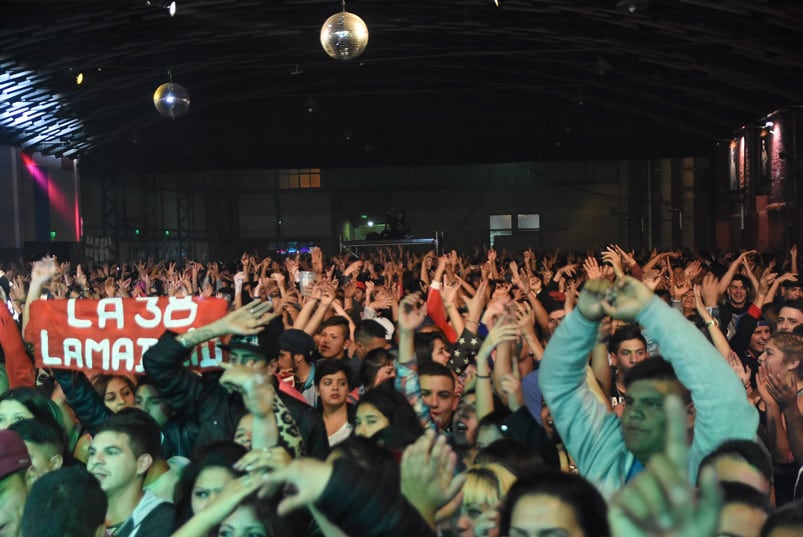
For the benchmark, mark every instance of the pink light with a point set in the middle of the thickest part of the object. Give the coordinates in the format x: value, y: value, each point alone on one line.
x: 55, y: 196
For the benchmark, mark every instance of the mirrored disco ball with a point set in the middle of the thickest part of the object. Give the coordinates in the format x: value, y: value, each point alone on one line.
x: 171, y: 100
x: 344, y: 36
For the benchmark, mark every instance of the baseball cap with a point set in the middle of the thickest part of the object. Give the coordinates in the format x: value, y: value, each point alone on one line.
x: 245, y: 343
x: 297, y: 342
x: 387, y: 324
x: 13, y: 453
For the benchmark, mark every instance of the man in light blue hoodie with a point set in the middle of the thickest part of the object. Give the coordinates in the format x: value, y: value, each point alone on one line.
x: 609, y: 451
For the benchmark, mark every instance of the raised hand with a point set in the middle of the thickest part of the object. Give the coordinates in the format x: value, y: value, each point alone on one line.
x: 741, y: 370
x: 591, y: 268
x: 428, y: 479
x: 590, y: 300
x: 250, y: 319
x: 627, y: 257
x: 692, y: 270
x: 412, y: 312
x: 612, y: 257
x: 783, y: 389
x: 44, y: 269
x: 628, y: 299
x: 308, y: 478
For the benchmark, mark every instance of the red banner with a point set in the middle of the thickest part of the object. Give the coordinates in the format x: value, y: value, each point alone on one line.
x: 111, y: 334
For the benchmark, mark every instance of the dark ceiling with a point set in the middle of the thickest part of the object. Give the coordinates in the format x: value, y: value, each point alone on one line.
x: 440, y: 81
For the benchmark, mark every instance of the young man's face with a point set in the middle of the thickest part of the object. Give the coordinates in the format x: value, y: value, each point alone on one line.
x: 244, y: 357
x: 13, y: 492
x: 333, y: 342
x: 759, y: 339
x: 44, y: 459
x: 630, y: 352
x: 555, y: 318
x: 437, y: 392
x: 788, y: 319
x: 367, y: 345
x: 150, y: 400
x: 285, y: 360
x: 113, y: 463
x: 644, y: 418
x: 465, y: 422
x: 737, y: 293
x: 791, y: 293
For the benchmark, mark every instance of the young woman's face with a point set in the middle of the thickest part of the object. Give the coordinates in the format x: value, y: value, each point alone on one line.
x: 333, y: 389
x: 469, y: 513
x: 369, y: 420
x: 540, y: 514
x: 440, y: 353
x: 387, y: 371
x: 118, y: 395
x: 208, y: 485
x: 243, y: 522
x: 774, y: 359
x: 242, y: 434
x: 12, y: 411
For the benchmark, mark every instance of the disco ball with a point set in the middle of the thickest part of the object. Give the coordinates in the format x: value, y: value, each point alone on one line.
x: 171, y: 100
x: 344, y: 36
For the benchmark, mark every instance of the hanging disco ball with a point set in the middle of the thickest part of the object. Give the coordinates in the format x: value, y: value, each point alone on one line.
x: 344, y: 36
x: 171, y: 100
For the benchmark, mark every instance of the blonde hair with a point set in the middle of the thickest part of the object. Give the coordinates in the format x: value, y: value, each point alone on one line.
x: 487, y: 483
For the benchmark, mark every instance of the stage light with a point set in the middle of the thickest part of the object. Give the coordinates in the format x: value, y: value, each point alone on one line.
x: 171, y: 7
x: 79, y: 78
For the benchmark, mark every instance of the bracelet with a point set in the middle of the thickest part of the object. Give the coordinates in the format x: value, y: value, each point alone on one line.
x: 482, y: 376
x: 475, y: 322
x: 711, y: 323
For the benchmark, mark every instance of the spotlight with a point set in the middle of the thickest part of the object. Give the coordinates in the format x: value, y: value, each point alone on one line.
x: 769, y: 124
x: 370, y: 223
x: 171, y: 7
x: 79, y: 78
x: 632, y: 5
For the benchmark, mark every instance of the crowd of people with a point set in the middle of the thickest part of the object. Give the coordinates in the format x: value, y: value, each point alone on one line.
x: 411, y: 394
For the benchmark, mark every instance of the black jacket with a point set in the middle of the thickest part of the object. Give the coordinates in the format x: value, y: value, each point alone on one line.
x: 366, y: 504
x: 178, y: 435
x: 216, y: 410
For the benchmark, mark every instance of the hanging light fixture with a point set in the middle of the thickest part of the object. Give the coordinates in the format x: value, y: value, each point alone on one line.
x: 344, y: 35
x: 171, y: 99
